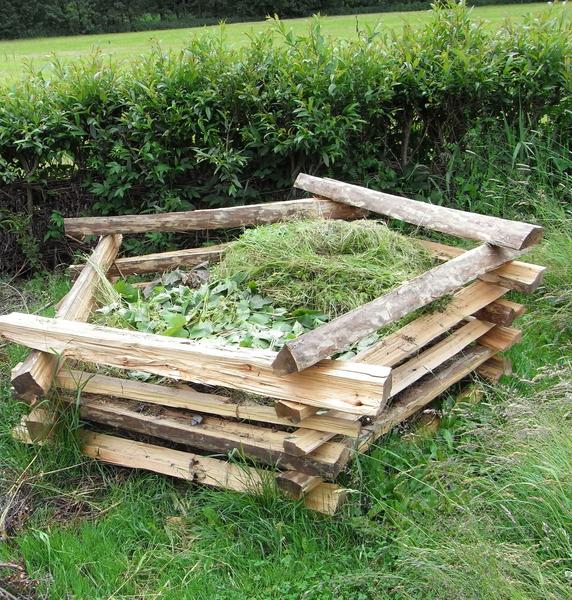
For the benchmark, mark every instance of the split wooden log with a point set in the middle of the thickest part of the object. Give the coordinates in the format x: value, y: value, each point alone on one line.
x: 294, y: 411
x: 514, y: 275
x: 311, y: 347
x: 501, y: 338
x: 417, y: 396
x: 190, y: 399
x: 501, y: 312
x: 297, y: 485
x: 411, y: 338
x: 355, y: 388
x: 495, y: 368
x: 426, y: 362
x: 161, y: 261
x: 304, y: 441
x: 325, y: 498
x: 217, y: 218
x: 500, y: 232
x: 212, y: 434
x: 35, y: 375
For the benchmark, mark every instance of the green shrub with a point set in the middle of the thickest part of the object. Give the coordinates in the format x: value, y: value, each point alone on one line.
x: 215, y: 125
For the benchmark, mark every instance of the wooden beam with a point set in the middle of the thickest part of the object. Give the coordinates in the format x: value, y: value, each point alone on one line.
x: 294, y: 411
x: 161, y: 261
x: 355, y: 388
x: 411, y: 338
x: 216, y: 218
x: 501, y: 312
x: 325, y: 498
x: 426, y: 362
x: 495, y: 368
x: 304, y: 441
x: 514, y: 275
x: 311, y: 347
x: 35, y: 375
x: 501, y: 338
x: 417, y: 396
x: 212, y: 434
x: 297, y: 485
x: 492, y: 230
x: 190, y: 399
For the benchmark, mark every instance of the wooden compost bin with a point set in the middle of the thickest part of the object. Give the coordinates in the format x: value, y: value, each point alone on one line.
x: 325, y: 410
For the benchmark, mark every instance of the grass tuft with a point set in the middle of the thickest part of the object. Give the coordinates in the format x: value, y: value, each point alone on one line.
x: 329, y: 266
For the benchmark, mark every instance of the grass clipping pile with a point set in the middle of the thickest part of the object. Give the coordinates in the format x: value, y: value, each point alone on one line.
x: 275, y: 283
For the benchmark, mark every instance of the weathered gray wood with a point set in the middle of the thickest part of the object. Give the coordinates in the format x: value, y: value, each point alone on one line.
x: 34, y: 376
x: 301, y: 353
x: 216, y: 218
x: 187, y: 398
x: 514, y: 275
x: 212, y: 434
x: 501, y: 232
x: 354, y: 388
x: 325, y: 497
x: 160, y: 261
x: 501, y: 312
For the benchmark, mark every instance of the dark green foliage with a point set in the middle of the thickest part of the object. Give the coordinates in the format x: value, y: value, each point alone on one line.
x: 216, y: 126
x: 72, y: 17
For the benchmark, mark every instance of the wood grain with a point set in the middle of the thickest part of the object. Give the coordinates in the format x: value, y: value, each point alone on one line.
x: 34, y: 377
x: 311, y: 347
x: 492, y: 230
x: 215, y: 218
x: 188, y: 398
x: 355, y: 388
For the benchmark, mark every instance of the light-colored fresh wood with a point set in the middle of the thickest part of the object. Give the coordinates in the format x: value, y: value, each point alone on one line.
x: 501, y: 338
x: 161, y: 261
x: 514, y: 275
x: 311, y: 347
x: 216, y: 218
x: 501, y: 312
x: 426, y: 362
x: 190, y: 399
x: 304, y: 441
x: 183, y: 465
x: 495, y: 368
x: 297, y: 485
x: 294, y: 411
x: 40, y: 423
x: 355, y: 388
x: 500, y: 232
x: 411, y: 338
x: 417, y: 396
x: 35, y: 375
x: 325, y: 498
x: 211, y: 433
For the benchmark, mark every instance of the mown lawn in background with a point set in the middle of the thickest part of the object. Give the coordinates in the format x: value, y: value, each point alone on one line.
x: 16, y: 56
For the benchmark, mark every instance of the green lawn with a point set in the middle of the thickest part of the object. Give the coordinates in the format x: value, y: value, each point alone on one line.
x: 16, y: 55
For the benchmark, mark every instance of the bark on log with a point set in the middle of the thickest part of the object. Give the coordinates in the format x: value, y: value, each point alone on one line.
x: 216, y: 218
x: 301, y: 353
x: 500, y: 232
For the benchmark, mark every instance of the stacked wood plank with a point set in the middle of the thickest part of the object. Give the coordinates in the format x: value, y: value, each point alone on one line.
x: 321, y: 411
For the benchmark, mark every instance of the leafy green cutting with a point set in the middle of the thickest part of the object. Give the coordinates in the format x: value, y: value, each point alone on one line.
x: 230, y: 311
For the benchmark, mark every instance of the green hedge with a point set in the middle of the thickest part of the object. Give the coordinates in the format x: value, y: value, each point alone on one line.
x: 215, y: 126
